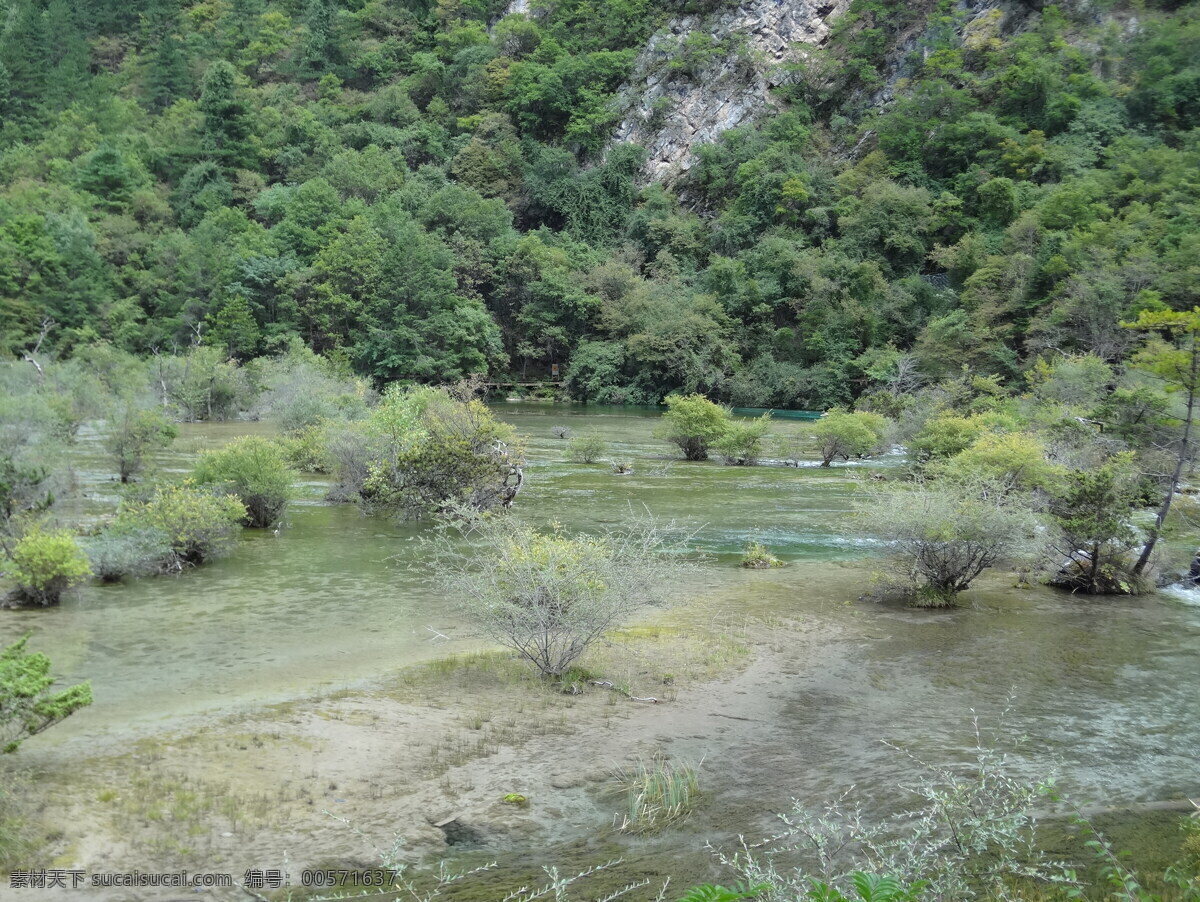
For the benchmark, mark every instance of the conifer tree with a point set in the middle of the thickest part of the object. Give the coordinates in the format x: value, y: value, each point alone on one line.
x: 167, y: 75
x: 226, y: 124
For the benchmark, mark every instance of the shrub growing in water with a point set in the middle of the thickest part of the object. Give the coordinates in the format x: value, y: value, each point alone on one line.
x: 256, y: 471
x: 693, y: 423
x: 757, y: 556
x: 945, y: 535
x: 198, y: 524
x: 434, y: 451
x: 46, y: 564
x: 741, y: 444
x: 550, y: 596
x: 845, y: 435
x: 117, y: 553
x: 586, y: 449
x: 133, y: 434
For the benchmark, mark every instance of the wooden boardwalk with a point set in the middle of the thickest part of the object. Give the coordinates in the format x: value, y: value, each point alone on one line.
x: 518, y: 384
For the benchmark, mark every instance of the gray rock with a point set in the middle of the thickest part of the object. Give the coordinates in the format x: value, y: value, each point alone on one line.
x: 727, y: 90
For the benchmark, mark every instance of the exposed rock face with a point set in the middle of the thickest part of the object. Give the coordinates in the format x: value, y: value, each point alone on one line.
x: 703, y: 75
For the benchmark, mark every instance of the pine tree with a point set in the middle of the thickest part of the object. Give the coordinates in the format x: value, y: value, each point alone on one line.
x: 226, y: 123
x: 167, y: 77
x: 25, y: 53
x: 70, y: 54
x: 5, y: 97
x: 321, y: 51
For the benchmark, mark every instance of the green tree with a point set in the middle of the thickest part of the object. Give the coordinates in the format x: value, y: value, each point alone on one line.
x: 227, y: 131
x: 232, y: 328
x: 167, y: 75
x: 1175, y: 361
x: 27, y: 706
x: 133, y: 434
x: 1092, y: 509
x: 693, y: 423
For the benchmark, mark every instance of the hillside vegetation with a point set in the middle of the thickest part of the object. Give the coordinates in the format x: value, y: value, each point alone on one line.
x: 424, y: 191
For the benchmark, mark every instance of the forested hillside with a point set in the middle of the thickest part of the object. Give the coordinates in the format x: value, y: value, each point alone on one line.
x: 427, y: 190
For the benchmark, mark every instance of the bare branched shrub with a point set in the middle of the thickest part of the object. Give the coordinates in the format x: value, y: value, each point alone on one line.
x: 942, y: 536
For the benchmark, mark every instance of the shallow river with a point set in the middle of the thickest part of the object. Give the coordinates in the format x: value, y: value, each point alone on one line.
x: 1105, y: 689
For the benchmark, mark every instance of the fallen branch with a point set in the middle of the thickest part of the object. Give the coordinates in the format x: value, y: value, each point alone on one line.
x: 609, y: 684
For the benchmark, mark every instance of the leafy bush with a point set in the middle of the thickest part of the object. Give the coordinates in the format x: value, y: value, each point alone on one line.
x: 693, y: 423
x: 116, y: 553
x: 1014, y: 460
x: 434, y: 451
x: 587, y: 449
x: 349, y: 452
x: 46, y: 564
x: 204, y: 385
x: 946, y: 436
x: 27, y: 707
x: 255, y: 470
x: 944, y: 536
x: 742, y: 443
x: 23, y: 489
x: 301, y: 390
x: 305, y: 449
x: 843, y: 434
x: 198, y: 524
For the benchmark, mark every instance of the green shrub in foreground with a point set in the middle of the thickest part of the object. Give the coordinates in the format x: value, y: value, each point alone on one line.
x: 26, y: 705
x: 256, y: 471
x: 46, y: 564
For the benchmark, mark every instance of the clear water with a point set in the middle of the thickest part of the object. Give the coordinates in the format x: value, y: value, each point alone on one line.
x: 1107, y: 688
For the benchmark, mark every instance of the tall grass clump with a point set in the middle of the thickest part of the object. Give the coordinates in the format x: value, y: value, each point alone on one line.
x: 658, y: 793
x: 18, y: 840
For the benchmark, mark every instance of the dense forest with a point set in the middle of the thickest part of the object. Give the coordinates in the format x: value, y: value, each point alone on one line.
x: 964, y: 232
x: 423, y: 191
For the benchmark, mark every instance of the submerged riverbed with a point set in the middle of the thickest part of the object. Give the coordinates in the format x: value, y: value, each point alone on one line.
x: 1102, y: 689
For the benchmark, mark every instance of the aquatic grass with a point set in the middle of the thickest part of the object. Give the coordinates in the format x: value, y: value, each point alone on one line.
x: 18, y: 840
x: 658, y: 794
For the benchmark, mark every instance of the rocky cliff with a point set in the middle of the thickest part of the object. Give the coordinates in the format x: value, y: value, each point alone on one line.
x: 703, y: 75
